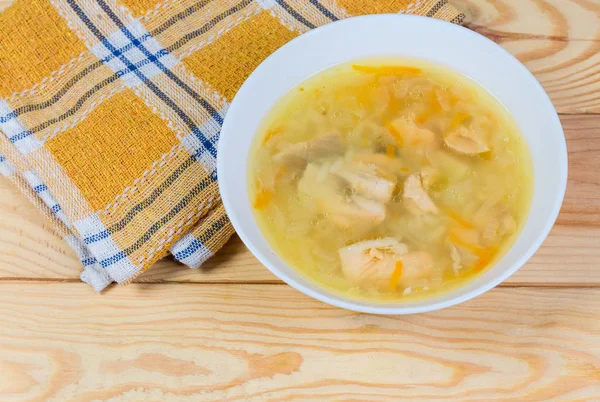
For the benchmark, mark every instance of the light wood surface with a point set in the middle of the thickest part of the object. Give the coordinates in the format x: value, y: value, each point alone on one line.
x: 558, y: 41
x: 271, y: 343
x: 231, y: 331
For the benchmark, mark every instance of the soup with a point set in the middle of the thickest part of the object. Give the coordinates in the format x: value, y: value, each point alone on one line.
x: 389, y: 179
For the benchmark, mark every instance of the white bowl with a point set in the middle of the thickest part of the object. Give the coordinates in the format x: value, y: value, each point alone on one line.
x: 397, y: 35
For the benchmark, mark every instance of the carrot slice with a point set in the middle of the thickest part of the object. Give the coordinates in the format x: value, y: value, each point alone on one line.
x: 262, y: 199
x: 434, y: 103
x: 485, y: 257
x: 459, y: 219
x: 395, y: 133
x: 457, y: 240
x: 390, y: 151
x: 387, y: 70
x: 272, y: 132
x: 396, y: 276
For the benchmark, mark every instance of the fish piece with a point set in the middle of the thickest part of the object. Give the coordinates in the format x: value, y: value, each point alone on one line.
x: 499, y: 226
x: 466, y: 241
x: 508, y: 224
x: 367, y: 180
x: 486, y: 211
x: 361, y: 212
x: 416, y: 198
x: 446, y: 98
x: 466, y: 234
x: 425, y: 178
x: 490, y: 232
x: 467, y: 141
x: 325, y: 192
x: 456, y: 260
x: 301, y: 153
x: 416, y: 265
x: 371, y: 262
x: 374, y: 262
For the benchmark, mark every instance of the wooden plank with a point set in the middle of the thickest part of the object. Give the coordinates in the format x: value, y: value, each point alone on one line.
x: 558, y: 41
x: 570, y: 255
x: 271, y: 343
x: 582, y: 199
x: 28, y: 246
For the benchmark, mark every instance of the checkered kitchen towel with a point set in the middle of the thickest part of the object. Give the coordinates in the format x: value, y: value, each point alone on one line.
x: 110, y: 112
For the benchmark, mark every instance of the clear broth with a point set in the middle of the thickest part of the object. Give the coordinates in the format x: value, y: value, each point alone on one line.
x: 404, y: 111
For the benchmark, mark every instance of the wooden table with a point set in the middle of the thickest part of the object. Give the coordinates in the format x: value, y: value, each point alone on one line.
x: 232, y: 331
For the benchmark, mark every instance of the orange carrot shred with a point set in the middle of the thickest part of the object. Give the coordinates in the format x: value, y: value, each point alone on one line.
x: 396, y: 276
x: 473, y: 247
x: 485, y: 257
x: 453, y: 99
x: 272, y: 133
x: 405, y: 170
x: 395, y: 133
x: 434, y: 103
x: 262, y: 199
x: 387, y: 70
x: 459, y: 219
x: 390, y: 151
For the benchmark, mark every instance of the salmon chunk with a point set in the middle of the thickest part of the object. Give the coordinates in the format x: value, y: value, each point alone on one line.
x: 416, y: 198
x: 373, y: 262
x: 325, y: 192
x: 367, y: 180
x: 467, y: 141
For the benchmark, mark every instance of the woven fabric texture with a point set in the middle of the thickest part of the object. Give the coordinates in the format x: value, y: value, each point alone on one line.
x: 110, y: 113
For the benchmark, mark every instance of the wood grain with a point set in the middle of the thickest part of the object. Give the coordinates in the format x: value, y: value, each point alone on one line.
x: 270, y: 343
x: 558, y: 41
x: 581, y: 205
x: 570, y: 255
